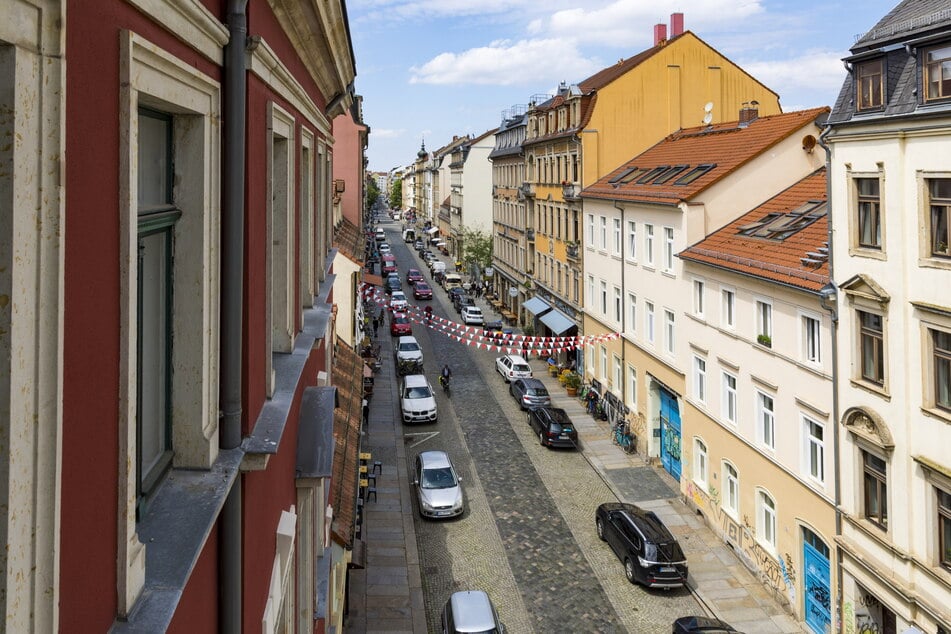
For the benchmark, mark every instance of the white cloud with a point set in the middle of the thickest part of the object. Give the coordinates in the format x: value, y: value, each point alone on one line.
x: 387, y: 133
x: 502, y: 63
x: 813, y: 78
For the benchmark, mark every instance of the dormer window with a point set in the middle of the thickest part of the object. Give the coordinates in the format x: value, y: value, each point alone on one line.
x: 868, y: 81
x: 937, y: 72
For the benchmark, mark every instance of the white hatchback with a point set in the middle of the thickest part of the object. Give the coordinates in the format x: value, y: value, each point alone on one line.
x: 512, y: 366
x: 398, y: 303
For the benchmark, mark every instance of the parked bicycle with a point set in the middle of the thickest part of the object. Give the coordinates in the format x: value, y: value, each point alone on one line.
x: 623, y: 437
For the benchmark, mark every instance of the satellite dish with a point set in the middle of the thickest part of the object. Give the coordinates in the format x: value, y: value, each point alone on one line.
x: 707, y: 118
x: 808, y: 143
x: 708, y: 107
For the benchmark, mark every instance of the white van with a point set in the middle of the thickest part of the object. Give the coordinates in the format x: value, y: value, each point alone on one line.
x: 452, y: 280
x: 437, y: 266
x: 409, y: 235
x: 417, y: 401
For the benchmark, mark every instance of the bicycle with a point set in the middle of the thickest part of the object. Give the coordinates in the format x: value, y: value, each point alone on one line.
x: 623, y: 438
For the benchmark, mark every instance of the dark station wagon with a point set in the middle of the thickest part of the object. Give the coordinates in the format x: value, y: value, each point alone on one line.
x: 651, y: 555
x: 553, y: 426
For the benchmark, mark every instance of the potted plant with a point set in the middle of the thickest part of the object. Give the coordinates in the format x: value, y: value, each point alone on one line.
x: 764, y: 340
x: 572, y: 383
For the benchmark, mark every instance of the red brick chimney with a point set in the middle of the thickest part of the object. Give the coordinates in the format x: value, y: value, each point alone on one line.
x: 676, y: 24
x: 749, y: 112
x: 660, y: 33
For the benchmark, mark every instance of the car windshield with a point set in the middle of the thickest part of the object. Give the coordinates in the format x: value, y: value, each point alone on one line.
x: 408, y: 347
x: 401, y: 320
x: 536, y: 391
x: 417, y: 392
x: 667, y: 552
x: 441, y: 478
x: 521, y: 367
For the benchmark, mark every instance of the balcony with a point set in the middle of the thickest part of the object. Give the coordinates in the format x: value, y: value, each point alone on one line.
x: 530, y: 235
x: 527, y: 190
x: 570, y: 192
x: 571, y: 250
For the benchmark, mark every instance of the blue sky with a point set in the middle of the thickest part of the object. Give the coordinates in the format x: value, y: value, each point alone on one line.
x: 431, y: 69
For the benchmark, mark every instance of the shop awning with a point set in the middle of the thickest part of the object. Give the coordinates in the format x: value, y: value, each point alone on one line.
x: 557, y: 321
x: 432, y: 230
x: 536, y: 306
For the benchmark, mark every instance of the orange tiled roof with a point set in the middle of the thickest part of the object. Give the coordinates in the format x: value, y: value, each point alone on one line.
x: 348, y: 416
x: 787, y: 261
x: 348, y: 241
x: 726, y: 146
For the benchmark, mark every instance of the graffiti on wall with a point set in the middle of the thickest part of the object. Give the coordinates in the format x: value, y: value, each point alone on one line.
x: 848, y: 616
x: 778, y: 574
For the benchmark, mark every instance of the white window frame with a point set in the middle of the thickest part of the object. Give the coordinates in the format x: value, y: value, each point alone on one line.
x: 764, y: 318
x: 604, y: 233
x: 618, y: 374
x: 618, y: 306
x: 591, y: 230
x: 669, y: 331
x: 604, y: 364
x: 618, y: 238
x: 766, y: 420
x: 632, y: 307
x: 649, y: 321
x: 632, y: 240
x: 813, y: 450
x: 604, y: 298
x: 698, y: 297
x: 632, y: 387
x: 729, y: 406
x: 728, y: 307
x: 810, y: 335
x: 649, y: 245
x: 700, y: 379
x: 590, y: 288
x: 700, y: 463
x: 152, y: 77
x: 669, y: 249
x: 766, y: 514
x: 731, y: 489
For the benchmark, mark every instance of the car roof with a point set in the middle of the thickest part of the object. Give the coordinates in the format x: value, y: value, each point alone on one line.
x: 517, y: 358
x: 422, y: 284
x: 406, y: 339
x: 472, y: 611
x: 647, y: 521
x: 534, y: 383
x: 471, y: 308
x: 415, y: 380
x: 433, y: 459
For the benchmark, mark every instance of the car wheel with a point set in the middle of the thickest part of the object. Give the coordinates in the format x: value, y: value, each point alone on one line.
x: 541, y: 438
x: 600, y: 526
x: 629, y: 570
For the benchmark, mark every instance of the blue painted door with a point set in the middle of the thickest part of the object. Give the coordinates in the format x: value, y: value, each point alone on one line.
x: 817, y: 601
x: 669, y: 433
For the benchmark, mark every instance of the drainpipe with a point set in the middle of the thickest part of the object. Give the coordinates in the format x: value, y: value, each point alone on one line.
x: 232, y: 300
x: 828, y: 293
x: 624, y: 382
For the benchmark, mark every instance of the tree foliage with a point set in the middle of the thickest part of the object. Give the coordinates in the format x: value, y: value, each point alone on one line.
x: 476, y: 247
x: 373, y: 193
x: 396, y: 194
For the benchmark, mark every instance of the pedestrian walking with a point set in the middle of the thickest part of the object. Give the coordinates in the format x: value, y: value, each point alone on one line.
x: 376, y: 326
x: 366, y: 412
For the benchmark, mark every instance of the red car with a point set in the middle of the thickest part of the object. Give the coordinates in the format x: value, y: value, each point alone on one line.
x: 422, y: 290
x: 400, y: 325
x: 413, y: 276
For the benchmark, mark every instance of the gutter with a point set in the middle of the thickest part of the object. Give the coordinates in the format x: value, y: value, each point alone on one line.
x: 833, y: 313
x: 232, y: 301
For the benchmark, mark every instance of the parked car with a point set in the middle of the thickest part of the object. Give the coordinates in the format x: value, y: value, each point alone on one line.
x: 461, y: 300
x: 400, y: 325
x: 422, y: 290
x: 451, y: 280
x: 384, y: 249
x: 651, y: 555
x: 472, y: 315
x: 380, y: 234
x: 704, y: 624
x: 417, y: 401
x: 408, y: 349
x: 388, y: 265
x: 512, y: 366
x: 398, y: 303
x: 413, y: 276
x: 529, y: 393
x: 553, y: 426
x: 418, y: 245
x: 470, y: 611
x: 438, y: 488
x: 427, y: 255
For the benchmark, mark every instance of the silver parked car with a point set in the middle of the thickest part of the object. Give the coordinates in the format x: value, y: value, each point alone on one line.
x: 529, y: 393
x: 470, y: 611
x: 438, y: 488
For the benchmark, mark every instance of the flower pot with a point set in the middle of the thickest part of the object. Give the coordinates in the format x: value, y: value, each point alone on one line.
x: 572, y: 391
x: 553, y: 370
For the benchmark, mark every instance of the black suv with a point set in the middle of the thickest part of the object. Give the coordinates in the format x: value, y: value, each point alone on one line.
x: 651, y: 555
x: 553, y: 426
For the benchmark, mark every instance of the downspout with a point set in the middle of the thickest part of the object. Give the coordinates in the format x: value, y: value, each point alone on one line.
x: 232, y: 301
x: 624, y: 382
x: 834, y: 314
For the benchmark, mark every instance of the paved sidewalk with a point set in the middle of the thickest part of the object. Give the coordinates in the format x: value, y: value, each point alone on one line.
x: 387, y: 596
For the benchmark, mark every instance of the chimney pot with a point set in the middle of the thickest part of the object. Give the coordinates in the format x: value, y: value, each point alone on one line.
x: 660, y: 33
x: 676, y: 24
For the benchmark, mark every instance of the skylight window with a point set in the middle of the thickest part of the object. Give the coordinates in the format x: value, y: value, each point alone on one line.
x: 652, y: 174
x: 694, y: 174
x: 636, y: 173
x: 669, y: 174
x: 781, y: 225
x: 620, y: 176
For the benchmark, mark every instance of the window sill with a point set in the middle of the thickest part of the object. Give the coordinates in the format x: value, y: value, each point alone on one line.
x: 871, y: 388
x: 174, y: 530
x: 935, y: 263
x: 865, y: 252
x: 940, y: 414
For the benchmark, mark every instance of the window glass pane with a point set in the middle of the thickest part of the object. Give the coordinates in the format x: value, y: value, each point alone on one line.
x: 154, y: 342
x: 938, y: 72
x: 869, y: 84
x: 942, y: 368
x: 944, y: 527
x: 155, y: 164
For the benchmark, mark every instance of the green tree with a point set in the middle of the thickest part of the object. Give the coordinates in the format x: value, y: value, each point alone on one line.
x: 373, y: 192
x: 396, y: 194
x: 476, y: 249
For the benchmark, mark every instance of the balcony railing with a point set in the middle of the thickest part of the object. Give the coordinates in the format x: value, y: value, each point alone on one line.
x: 571, y: 251
x: 527, y: 190
x: 530, y: 235
x: 570, y: 192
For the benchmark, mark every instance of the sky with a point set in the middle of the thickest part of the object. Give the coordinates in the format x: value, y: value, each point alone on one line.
x: 429, y: 70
